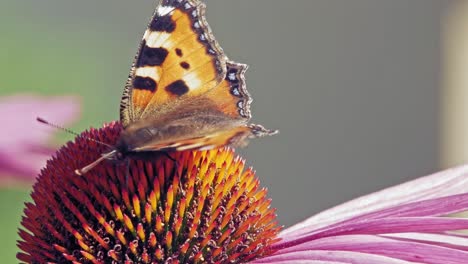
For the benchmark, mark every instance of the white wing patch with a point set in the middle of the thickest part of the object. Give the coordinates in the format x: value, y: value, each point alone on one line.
x: 192, y: 80
x: 164, y: 10
x: 157, y: 39
x: 152, y: 72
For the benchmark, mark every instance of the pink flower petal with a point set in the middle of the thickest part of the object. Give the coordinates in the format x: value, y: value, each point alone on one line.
x: 381, y: 226
x: 381, y: 246
x: 445, y: 183
x: 23, y: 140
x: 451, y: 241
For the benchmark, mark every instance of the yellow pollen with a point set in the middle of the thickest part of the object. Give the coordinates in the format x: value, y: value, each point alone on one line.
x: 148, y: 213
x: 77, y: 235
x: 170, y: 196
x: 109, y: 229
x: 83, y: 245
x: 118, y: 212
x: 201, y: 203
x: 177, y: 226
x: 205, y: 241
x: 185, y: 247
x: 210, y: 175
x: 152, y: 239
x: 205, y: 191
x: 159, y: 225
x: 233, y: 199
x: 133, y: 247
x: 156, y: 191
x: 145, y: 257
x: 230, y: 181
x: 159, y: 254
x: 189, y: 195
x: 113, y: 255
x: 264, y: 207
x: 252, y: 207
x: 261, y: 194
x: 169, y: 240
x: 141, y: 231
x: 225, y: 235
x: 203, y: 168
x: 121, y: 237
x: 182, y: 205
x: 153, y: 201
x: 223, y: 171
x: 136, y: 206
x: 243, y: 205
x: 128, y: 223
x: 88, y: 256
x: 218, y: 195
x: 167, y: 213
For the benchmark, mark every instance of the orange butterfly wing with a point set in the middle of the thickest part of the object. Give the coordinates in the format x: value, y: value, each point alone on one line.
x: 177, y: 58
x: 180, y: 73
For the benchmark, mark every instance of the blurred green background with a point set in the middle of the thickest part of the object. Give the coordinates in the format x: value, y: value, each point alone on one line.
x: 351, y: 85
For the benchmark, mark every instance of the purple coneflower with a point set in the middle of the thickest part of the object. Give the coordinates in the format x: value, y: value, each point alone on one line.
x: 192, y: 207
x: 23, y: 141
x: 204, y: 207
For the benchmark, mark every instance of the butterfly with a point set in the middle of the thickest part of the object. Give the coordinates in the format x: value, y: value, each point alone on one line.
x: 183, y: 93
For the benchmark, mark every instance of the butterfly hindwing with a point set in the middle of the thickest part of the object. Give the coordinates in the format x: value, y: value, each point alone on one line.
x: 231, y: 95
x: 178, y: 57
x: 236, y: 136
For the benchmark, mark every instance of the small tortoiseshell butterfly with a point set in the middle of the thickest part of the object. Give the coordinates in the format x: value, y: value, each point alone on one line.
x: 182, y: 93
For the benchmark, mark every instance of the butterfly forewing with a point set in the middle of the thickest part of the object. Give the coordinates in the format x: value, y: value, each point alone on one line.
x: 178, y: 57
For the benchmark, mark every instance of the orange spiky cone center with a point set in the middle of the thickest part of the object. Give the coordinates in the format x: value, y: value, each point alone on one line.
x: 195, y: 207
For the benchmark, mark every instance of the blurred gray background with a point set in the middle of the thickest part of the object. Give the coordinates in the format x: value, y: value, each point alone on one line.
x: 352, y: 86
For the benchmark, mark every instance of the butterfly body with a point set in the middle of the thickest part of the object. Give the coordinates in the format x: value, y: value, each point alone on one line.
x: 183, y: 93
x: 189, y: 120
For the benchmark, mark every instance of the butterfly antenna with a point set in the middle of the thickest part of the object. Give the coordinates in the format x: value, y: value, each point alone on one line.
x: 43, y: 121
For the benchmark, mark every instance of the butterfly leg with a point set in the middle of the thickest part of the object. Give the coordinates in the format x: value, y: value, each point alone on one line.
x: 169, y: 156
x: 127, y: 173
x: 173, y: 160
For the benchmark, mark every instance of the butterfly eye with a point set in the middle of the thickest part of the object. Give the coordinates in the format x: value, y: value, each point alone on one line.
x: 119, y: 155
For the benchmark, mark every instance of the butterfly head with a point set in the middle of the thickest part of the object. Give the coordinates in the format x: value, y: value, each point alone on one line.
x: 116, y: 154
